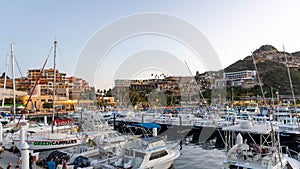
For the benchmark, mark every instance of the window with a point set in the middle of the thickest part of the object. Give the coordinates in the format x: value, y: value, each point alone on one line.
x: 139, y: 154
x: 158, y: 154
x: 237, y: 167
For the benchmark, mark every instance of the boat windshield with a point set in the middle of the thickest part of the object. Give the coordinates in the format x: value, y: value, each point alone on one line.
x: 158, y: 154
x: 237, y: 167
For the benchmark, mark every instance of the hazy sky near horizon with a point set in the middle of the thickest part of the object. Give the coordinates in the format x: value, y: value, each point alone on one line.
x: 234, y: 28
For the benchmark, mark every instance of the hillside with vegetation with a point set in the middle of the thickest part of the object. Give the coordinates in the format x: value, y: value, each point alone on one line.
x: 271, y: 66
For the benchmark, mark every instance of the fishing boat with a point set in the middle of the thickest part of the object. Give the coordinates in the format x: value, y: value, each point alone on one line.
x: 143, y: 152
x: 246, y: 156
x: 289, y: 129
x: 172, y: 126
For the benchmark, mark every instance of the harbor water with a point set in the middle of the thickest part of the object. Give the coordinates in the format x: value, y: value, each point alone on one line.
x: 197, y: 157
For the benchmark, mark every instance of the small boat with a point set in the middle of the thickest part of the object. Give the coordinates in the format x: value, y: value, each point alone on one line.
x: 143, y: 152
x: 251, y: 110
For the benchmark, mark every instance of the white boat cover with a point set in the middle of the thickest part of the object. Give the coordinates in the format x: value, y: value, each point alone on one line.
x: 293, y: 162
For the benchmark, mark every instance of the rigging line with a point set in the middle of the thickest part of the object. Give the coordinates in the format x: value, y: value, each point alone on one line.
x: 18, y: 67
x: 290, y: 79
x: 32, y: 90
x: 259, y: 80
x: 5, y: 78
x: 59, y: 52
x: 195, y: 81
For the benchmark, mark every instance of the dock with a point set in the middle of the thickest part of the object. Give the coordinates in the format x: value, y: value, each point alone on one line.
x: 6, y: 157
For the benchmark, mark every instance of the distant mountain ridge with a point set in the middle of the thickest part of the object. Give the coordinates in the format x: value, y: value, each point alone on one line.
x: 271, y: 65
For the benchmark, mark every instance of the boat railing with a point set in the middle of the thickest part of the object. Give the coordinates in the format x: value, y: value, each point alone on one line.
x: 291, y: 153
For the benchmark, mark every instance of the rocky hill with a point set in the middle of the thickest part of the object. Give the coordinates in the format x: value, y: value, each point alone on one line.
x: 271, y: 65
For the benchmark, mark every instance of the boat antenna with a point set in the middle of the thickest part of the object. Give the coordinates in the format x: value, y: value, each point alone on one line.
x: 13, y: 79
x: 202, y: 97
x: 5, y: 78
x: 54, y: 81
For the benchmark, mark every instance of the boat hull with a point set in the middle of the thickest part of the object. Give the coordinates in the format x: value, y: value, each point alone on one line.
x: 286, y: 138
x: 164, y: 162
x: 165, y: 165
x: 40, y: 145
x: 203, y: 133
x: 170, y: 131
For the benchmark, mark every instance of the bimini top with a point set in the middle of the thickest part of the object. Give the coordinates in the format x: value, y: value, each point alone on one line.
x: 147, y: 125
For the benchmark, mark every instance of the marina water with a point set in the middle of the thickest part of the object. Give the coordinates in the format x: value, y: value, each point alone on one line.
x: 197, y: 157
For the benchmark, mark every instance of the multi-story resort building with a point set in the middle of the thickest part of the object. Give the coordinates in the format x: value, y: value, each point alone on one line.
x: 245, y: 79
x: 68, y: 90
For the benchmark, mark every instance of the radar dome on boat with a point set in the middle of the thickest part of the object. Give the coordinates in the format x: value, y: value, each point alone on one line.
x: 246, y: 125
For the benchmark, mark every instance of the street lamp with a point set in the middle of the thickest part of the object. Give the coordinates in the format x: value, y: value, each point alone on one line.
x: 277, y: 94
x: 272, y: 96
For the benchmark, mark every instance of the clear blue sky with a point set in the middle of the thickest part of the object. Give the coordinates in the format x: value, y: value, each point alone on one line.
x: 234, y: 28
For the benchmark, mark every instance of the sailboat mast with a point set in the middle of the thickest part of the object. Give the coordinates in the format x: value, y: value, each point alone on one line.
x: 54, y: 83
x: 4, y: 87
x: 13, y: 78
x: 259, y: 80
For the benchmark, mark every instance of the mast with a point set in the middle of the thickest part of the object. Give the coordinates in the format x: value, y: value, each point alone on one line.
x: 198, y: 87
x: 4, y: 87
x: 291, y: 85
x: 290, y: 79
x: 54, y: 87
x: 259, y: 80
x: 13, y: 78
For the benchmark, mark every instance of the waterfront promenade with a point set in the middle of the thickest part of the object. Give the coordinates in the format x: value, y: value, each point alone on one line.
x: 7, y: 157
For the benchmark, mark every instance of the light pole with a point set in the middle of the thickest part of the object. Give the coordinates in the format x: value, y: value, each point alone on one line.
x: 272, y: 96
x: 277, y: 94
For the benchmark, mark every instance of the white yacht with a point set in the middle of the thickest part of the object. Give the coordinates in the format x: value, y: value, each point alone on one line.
x: 252, y: 110
x: 50, y: 141
x: 149, y: 152
x: 289, y: 129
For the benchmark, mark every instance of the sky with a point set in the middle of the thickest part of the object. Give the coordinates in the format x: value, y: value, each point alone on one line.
x: 233, y: 28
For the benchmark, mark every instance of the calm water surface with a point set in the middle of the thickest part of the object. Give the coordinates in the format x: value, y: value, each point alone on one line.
x: 195, y: 157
